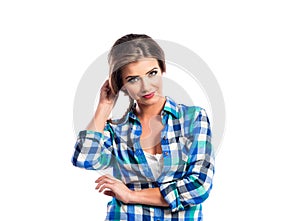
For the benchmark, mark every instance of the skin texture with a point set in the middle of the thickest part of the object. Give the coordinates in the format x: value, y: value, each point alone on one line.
x: 106, y: 103
x: 142, y: 81
x: 139, y: 79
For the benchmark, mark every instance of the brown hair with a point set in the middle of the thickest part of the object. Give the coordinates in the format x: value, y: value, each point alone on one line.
x: 127, y: 49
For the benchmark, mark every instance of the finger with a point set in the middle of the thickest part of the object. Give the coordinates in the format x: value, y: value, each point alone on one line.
x: 103, y: 181
x: 109, y: 193
x: 106, y: 186
x: 106, y: 87
x: 97, y: 180
x: 98, y: 186
x: 103, y: 177
x: 106, y: 83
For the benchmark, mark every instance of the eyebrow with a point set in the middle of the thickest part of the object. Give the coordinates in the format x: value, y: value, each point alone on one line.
x: 132, y: 76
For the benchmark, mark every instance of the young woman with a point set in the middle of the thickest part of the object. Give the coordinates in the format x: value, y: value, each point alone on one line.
x: 160, y: 151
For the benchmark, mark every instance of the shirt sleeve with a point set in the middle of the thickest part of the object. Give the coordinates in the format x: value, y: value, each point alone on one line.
x: 93, y: 150
x: 196, y: 184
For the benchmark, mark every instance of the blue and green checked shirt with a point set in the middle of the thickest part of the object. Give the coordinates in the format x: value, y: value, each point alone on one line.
x: 186, y: 178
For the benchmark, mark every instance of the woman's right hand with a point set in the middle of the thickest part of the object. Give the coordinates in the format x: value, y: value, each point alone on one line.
x: 107, y: 97
x: 106, y: 103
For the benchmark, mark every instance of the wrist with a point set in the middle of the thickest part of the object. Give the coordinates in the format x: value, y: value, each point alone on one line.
x: 103, y: 112
x: 99, y: 119
x: 132, y: 196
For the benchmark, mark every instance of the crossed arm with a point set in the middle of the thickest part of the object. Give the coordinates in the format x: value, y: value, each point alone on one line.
x: 191, y: 189
x: 115, y: 188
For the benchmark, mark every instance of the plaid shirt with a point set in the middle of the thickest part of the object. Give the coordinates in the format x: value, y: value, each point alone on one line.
x: 186, y: 179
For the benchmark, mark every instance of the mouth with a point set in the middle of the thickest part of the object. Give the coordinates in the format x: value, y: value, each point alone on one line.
x: 148, y: 96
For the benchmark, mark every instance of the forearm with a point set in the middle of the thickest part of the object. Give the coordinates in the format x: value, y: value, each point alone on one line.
x: 99, y: 120
x: 150, y: 196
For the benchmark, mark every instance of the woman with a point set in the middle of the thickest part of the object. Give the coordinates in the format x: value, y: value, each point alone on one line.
x: 160, y: 151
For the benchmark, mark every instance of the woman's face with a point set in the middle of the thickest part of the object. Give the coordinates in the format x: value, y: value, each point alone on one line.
x: 142, y: 80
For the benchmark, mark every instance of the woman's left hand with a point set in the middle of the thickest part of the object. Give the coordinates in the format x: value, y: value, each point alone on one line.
x: 116, y: 188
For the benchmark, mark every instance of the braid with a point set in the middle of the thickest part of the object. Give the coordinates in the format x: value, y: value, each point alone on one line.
x: 123, y: 118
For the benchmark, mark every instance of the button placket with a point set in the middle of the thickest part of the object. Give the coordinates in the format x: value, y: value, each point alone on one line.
x: 165, y: 148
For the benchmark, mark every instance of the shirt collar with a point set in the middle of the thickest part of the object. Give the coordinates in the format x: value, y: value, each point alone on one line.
x: 171, y: 107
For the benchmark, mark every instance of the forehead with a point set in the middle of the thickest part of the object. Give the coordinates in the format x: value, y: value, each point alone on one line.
x: 139, y: 67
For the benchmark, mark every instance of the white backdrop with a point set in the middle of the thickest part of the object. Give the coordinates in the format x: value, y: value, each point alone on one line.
x: 252, y: 47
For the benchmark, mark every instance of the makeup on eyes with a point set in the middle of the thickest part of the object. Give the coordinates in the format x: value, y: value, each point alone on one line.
x: 135, y: 78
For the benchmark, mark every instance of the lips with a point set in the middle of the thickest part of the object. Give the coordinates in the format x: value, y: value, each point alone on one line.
x: 148, y: 96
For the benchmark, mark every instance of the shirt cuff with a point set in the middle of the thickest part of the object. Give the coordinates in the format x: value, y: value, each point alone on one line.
x: 171, y: 195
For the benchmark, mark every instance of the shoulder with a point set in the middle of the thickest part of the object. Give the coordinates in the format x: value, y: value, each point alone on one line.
x: 194, y: 121
x: 187, y: 112
x: 190, y: 111
x: 191, y: 117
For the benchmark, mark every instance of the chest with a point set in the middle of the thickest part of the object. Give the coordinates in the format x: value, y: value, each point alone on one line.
x: 150, y: 139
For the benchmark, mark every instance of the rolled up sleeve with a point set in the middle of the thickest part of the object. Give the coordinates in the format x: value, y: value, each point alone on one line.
x: 194, y: 187
x: 93, y: 150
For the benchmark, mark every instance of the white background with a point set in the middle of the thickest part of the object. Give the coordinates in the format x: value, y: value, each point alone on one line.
x: 253, y: 49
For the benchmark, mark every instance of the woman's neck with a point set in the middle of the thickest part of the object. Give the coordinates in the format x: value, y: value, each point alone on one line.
x: 145, y: 112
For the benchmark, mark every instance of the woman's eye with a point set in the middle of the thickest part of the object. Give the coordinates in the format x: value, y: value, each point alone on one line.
x: 153, y: 73
x: 133, y: 80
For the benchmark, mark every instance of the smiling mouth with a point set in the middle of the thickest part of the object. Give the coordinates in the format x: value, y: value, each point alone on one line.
x: 148, y: 96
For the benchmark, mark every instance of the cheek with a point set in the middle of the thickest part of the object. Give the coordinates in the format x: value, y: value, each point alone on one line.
x: 157, y: 82
x: 132, y: 91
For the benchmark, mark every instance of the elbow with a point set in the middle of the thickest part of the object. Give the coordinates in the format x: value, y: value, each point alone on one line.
x: 84, y: 164
x: 82, y: 159
x: 75, y: 158
x: 196, y: 192
x: 204, y: 184
x: 76, y: 163
x: 202, y: 191
x: 202, y: 196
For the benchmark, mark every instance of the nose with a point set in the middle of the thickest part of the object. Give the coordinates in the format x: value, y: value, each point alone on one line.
x: 145, y: 84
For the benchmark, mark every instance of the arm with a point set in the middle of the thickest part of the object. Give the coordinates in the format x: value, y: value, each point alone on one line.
x: 99, y: 120
x: 92, y: 150
x: 150, y: 196
x: 106, y: 103
x: 195, y: 186
x: 192, y: 189
x: 93, y: 146
x: 118, y: 189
